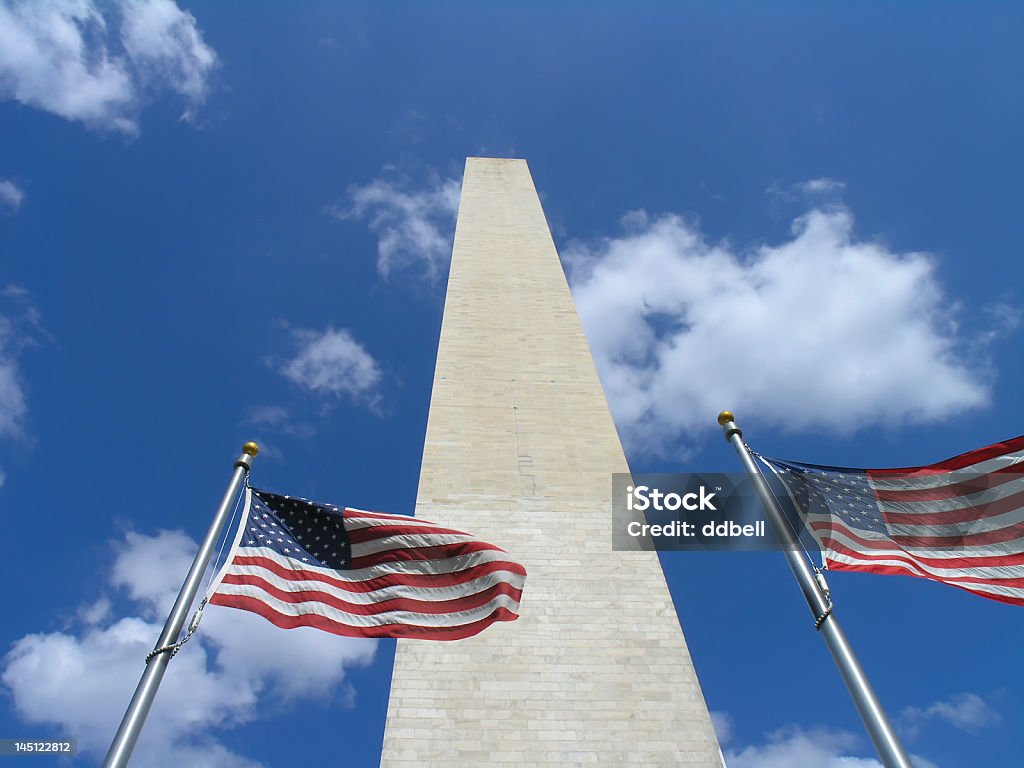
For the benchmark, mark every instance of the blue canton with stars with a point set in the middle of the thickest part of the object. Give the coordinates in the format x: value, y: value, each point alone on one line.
x: 844, y: 495
x: 300, y: 529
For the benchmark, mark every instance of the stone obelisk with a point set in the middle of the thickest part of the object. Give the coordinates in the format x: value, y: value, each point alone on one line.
x: 520, y: 450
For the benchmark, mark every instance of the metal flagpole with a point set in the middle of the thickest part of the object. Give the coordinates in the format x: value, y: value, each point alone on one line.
x: 870, y: 709
x: 135, y: 716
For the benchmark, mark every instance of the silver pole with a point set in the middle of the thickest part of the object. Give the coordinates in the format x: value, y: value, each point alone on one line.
x: 870, y: 709
x: 135, y: 716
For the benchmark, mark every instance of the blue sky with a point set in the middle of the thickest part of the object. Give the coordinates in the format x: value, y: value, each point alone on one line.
x: 221, y: 222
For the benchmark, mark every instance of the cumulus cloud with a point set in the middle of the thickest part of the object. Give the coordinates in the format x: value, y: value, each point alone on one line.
x: 11, y: 195
x: 226, y: 675
x: 815, y: 748
x: 328, y: 364
x: 96, y: 612
x: 822, y: 331
x: 966, y: 711
x: 167, y: 49
x: 142, y: 567
x: 99, y: 62
x: 331, y: 362
x: 414, y: 227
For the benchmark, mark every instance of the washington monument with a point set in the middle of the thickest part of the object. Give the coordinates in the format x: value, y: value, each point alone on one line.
x: 520, y: 450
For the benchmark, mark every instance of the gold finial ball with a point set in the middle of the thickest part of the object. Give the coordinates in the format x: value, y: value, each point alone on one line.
x: 725, y: 417
x: 250, y: 449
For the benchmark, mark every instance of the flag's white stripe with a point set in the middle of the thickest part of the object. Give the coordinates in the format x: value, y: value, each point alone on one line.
x: 447, y: 565
x: 911, y: 482
x: 354, y: 522
x: 454, y: 619
x: 977, y: 499
x: 981, y: 571
x: 409, y: 541
x: 968, y: 527
x: 427, y: 594
x: 951, y: 549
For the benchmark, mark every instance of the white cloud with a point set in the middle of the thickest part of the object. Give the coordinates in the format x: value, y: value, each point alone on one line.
x: 331, y: 362
x: 815, y: 748
x: 793, y: 746
x: 17, y: 331
x: 98, y: 62
x: 11, y: 195
x: 167, y: 48
x: 143, y: 566
x: 820, y: 186
x: 822, y: 331
x: 82, y: 684
x: 414, y: 227
x: 12, y: 397
x: 966, y: 711
x: 267, y: 415
x: 97, y: 612
x: 276, y: 420
x: 225, y: 676
x: 819, y: 190
x: 21, y: 327
x: 723, y: 726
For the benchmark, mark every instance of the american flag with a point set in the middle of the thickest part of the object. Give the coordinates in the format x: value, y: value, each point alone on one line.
x: 960, y: 521
x: 364, y: 574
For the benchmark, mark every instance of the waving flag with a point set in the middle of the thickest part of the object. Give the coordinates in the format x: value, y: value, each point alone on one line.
x: 960, y: 521
x: 364, y: 574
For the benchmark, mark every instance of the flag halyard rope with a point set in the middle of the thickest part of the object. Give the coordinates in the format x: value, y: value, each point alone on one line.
x: 819, y: 575
x: 824, y: 564
x: 173, y: 648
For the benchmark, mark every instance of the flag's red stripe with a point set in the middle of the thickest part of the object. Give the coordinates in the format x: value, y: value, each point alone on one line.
x: 411, y: 554
x: 990, y: 561
x: 434, y: 607
x: 412, y: 631
x: 835, y: 565
x: 390, y: 580
x: 957, y: 462
x: 964, y: 487
x: 952, y: 516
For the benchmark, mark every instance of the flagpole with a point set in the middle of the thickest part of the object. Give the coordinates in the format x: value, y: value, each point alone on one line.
x: 156, y: 663
x: 870, y: 709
